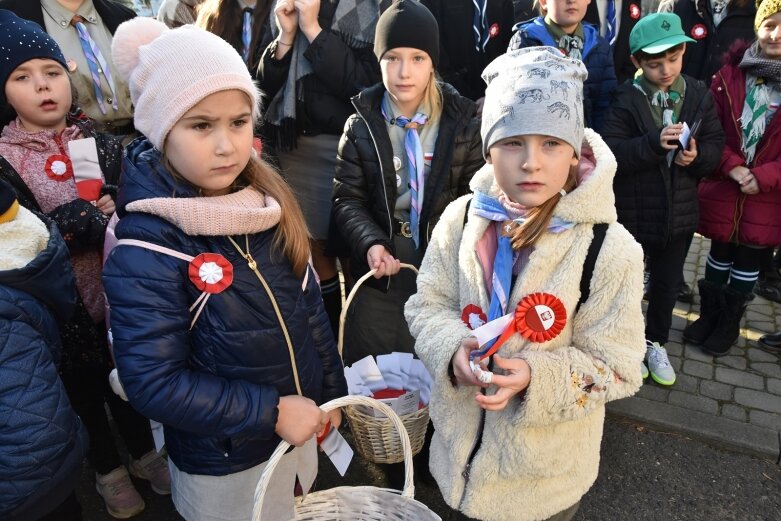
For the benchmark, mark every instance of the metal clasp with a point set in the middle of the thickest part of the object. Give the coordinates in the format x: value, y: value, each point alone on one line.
x: 405, y: 230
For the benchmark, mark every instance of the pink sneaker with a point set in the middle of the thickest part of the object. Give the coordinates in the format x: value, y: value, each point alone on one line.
x: 153, y: 468
x: 121, y: 497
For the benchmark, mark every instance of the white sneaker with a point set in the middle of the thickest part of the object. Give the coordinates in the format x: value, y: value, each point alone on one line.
x: 658, y: 364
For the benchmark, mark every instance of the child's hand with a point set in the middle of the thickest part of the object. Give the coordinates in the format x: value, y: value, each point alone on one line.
x: 750, y: 186
x: 669, y: 136
x: 287, y: 20
x: 741, y: 175
x: 106, y: 205
x: 685, y: 157
x: 460, y: 361
x: 379, y: 258
x: 516, y: 380
x: 299, y: 420
x: 307, y: 17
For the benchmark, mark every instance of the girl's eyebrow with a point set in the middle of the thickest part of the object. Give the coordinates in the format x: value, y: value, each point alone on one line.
x: 215, y: 118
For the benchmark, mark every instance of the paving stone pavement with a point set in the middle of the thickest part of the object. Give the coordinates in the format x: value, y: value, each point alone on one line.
x: 732, y: 401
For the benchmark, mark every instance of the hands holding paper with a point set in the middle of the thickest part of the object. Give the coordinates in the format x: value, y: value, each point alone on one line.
x: 685, y: 156
x: 516, y: 378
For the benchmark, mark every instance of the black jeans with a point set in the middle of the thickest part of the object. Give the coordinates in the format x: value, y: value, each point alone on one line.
x: 88, y: 389
x: 664, y: 266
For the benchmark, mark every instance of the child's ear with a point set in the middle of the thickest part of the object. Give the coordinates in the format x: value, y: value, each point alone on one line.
x: 488, y: 158
x: 635, y: 62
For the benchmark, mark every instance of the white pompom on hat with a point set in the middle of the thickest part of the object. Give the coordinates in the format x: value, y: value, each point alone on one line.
x: 169, y: 71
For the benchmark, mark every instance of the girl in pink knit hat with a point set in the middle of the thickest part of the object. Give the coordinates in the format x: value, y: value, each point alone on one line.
x: 218, y: 322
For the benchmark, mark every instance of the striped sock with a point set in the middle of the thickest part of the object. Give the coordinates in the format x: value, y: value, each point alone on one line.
x: 717, y: 272
x: 743, y: 281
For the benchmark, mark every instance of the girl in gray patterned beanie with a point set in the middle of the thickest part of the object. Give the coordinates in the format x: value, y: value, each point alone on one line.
x: 499, y: 290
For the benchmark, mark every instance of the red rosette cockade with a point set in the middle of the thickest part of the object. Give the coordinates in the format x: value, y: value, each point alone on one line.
x: 211, y: 272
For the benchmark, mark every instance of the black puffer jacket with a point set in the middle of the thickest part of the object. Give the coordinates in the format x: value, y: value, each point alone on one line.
x: 656, y: 202
x: 365, y: 182
x: 339, y: 72
x: 704, y: 58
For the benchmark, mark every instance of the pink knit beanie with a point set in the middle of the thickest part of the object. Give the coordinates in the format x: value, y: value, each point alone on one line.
x: 169, y: 71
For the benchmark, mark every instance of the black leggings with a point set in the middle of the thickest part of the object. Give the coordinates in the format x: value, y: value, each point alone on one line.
x: 88, y: 390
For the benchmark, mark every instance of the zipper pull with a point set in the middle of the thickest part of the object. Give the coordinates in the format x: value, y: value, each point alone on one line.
x: 251, y: 262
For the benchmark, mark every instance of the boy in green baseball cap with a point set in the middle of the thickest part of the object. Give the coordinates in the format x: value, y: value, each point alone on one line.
x: 659, y: 167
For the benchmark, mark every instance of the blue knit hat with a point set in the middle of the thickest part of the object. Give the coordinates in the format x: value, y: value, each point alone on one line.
x: 21, y: 41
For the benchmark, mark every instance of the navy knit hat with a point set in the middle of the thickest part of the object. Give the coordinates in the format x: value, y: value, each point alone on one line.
x: 21, y: 41
x: 407, y: 23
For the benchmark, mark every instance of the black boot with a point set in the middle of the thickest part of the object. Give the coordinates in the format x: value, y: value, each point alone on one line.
x: 770, y: 342
x: 733, y: 305
x: 710, y: 311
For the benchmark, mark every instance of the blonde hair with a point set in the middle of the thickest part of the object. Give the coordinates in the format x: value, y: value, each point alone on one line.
x: 539, y: 217
x: 432, y: 97
x: 291, y: 236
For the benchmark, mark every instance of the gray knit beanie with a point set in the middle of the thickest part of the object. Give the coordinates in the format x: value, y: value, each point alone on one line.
x: 536, y: 90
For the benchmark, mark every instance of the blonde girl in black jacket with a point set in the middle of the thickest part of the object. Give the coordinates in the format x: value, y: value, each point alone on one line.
x: 382, y: 210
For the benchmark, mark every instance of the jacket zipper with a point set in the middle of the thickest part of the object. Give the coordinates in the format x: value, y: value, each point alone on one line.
x: 382, y: 178
x: 254, y: 267
x: 476, y: 447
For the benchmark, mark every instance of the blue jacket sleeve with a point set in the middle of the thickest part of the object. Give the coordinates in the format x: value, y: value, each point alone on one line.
x: 601, y: 89
x: 150, y: 322
x: 334, y: 384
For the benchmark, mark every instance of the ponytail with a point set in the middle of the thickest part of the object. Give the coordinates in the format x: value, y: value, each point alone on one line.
x: 292, y: 235
x: 539, y: 217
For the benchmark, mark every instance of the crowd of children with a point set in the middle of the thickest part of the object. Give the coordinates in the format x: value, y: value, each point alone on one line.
x: 559, y: 159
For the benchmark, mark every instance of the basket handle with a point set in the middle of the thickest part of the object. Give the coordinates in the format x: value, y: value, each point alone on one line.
x: 343, y: 314
x: 276, y: 456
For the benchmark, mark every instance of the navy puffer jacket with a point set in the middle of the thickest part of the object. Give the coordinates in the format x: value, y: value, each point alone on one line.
x: 597, y: 57
x: 215, y: 387
x: 42, y: 441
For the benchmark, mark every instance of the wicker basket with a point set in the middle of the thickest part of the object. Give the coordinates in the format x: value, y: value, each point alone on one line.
x: 353, y: 503
x: 375, y: 438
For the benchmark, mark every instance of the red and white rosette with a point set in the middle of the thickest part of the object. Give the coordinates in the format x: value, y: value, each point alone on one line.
x: 473, y: 316
x: 634, y: 11
x: 211, y: 272
x: 493, y: 31
x: 539, y: 317
x: 699, y: 32
x: 58, y: 167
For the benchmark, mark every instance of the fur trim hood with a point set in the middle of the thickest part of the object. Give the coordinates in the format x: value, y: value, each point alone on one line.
x: 595, y: 183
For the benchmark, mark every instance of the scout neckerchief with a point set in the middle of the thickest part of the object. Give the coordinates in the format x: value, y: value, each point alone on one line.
x: 665, y: 106
x: 570, y: 44
x: 416, y: 167
x: 480, y: 25
x: 763, y: 82
x: 611, y: 23
x: 246, y: 32
x: 490, y: 208
x: 97, y: 64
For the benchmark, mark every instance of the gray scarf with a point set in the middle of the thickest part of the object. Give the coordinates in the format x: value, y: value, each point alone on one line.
x: 354, y: 21
x: 761, y: 67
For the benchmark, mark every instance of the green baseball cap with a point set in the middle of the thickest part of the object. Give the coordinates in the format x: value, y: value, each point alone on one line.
x: 656, y: 33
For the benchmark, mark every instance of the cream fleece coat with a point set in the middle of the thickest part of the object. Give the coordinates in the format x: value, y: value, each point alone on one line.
x: 541, y: 453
